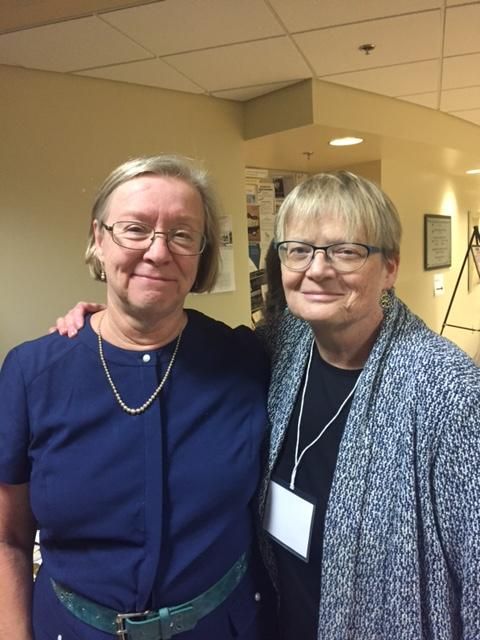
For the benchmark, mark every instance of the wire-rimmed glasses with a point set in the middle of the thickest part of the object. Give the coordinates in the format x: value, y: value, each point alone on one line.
x: 344, y: 257
x: 140, y: 236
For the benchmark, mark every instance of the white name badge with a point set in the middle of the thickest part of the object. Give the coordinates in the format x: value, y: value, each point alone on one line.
x: 289, y: 519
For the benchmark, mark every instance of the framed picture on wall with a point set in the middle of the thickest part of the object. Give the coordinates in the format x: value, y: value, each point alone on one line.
x: 437, y: 242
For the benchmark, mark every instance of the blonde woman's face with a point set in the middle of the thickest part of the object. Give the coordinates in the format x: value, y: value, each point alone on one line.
x: 326, y: 298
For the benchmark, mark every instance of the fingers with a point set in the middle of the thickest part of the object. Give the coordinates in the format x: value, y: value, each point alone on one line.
x: 64, y: 325
x: 74, y: 319
x: 81, y: 309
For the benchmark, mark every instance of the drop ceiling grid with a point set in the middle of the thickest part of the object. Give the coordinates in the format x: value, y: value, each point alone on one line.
x: 429, y: 100
x: 462, y: 30
x: 241, y: 49
x: 461, y: 71
x: 240, y: 65
x: 335, y: 50
x: 460, y: 99
x: 152, y: 73
x: 182, y: 26
x: 394, y: 81
x: 304, y: 15
x: 68, y: 46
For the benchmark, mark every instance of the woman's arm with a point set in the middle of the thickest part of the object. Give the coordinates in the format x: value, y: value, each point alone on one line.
x: 456, y: 496
x: 17, y: 533
x: 69, y: 324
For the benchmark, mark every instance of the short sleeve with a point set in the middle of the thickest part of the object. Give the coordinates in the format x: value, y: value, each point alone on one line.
x: 14, y: 424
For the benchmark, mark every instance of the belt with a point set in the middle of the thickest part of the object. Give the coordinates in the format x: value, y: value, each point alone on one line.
x: 160, y: 624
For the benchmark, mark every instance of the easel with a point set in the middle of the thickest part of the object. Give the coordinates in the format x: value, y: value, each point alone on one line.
x: 474, y: 242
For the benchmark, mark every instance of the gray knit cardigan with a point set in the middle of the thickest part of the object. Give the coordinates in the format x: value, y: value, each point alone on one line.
x: 401, y: 555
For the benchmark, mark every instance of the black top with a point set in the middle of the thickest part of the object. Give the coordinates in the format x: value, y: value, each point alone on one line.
x: 299, y: 585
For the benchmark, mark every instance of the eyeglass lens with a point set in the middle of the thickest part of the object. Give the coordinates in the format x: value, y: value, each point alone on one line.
x: 343, y: 256
x: 135, y: 235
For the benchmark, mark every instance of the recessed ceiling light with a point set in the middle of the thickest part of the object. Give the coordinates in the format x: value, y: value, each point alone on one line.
x: 345, y: 142
x: 473, y: 172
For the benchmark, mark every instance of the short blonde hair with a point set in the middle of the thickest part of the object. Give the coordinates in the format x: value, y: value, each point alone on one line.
x: 172, y: 166
x: 363, y: 208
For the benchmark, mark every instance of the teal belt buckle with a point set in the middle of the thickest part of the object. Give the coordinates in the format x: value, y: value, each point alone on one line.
x: 165, y: 624
x: 160, y: 624
x: 123, y: 621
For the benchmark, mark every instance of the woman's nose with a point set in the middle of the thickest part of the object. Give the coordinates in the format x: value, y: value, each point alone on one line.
x: 159, y: 249
x: 320, y: 262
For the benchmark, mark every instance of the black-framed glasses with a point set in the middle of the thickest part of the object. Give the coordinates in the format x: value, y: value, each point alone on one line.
x: 140, y: 236
x: 344, y: 257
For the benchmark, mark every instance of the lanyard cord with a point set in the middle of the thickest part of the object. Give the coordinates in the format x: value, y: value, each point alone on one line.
x: 298, y: 458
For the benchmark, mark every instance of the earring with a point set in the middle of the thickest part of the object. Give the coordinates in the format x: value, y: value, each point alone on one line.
x: 386, y: 299
x: 103, y: 277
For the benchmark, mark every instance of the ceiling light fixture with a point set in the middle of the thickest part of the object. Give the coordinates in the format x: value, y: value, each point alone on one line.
x: 473, y: 172
x: 345, y: 142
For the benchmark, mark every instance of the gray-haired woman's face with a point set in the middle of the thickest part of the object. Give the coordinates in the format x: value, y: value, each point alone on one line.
x: 153, y: 277
x: 325, y: 297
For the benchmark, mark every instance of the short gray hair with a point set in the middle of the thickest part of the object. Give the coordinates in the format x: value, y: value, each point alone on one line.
x: 363, y: 207
x: 171, y: 166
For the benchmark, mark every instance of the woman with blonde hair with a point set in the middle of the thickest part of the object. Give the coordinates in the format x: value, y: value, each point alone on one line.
x: 375, y: 442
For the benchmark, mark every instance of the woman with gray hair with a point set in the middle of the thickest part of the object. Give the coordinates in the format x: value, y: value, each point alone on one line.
x: 375, y: 445
x: 135, y: 449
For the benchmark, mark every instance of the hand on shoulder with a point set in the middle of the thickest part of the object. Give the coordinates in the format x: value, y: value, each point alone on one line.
x: 69, y: 324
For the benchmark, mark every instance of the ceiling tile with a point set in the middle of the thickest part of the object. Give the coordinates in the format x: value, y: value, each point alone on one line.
x: 403, y: 79
x: 424, y: 99
x: 68, y: 46
x: 186, y: 25
x: 462, y: 30
x: 247, y: 93
x: 335, y: 50
x: 241, y: 65
x: 152, y: 73
x: 461, y: 71
x: 472, y: 115
x: 25, y: 14
x: 303, y: 15
x: 238, y: 50
x: 460, y: 99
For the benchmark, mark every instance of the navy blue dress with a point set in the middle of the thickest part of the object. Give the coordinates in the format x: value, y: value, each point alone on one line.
x: 139, y: 512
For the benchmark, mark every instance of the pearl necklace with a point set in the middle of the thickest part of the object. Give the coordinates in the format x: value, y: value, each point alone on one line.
x: 153, y: 397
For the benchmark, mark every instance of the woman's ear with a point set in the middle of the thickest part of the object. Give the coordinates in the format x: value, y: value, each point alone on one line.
x: 391, y: 271
x: 98, y: 235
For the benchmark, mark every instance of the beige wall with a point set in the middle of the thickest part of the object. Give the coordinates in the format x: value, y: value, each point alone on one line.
x: 423, y: 155
x: 369, y: 170
x: 418, y: 187
x: 60, y: 136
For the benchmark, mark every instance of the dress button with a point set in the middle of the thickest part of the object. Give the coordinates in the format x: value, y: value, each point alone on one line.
x: 258, y: 597
x: 146, y: 357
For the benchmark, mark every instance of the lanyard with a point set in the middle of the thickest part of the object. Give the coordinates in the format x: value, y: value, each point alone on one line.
x: 298, y: 457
